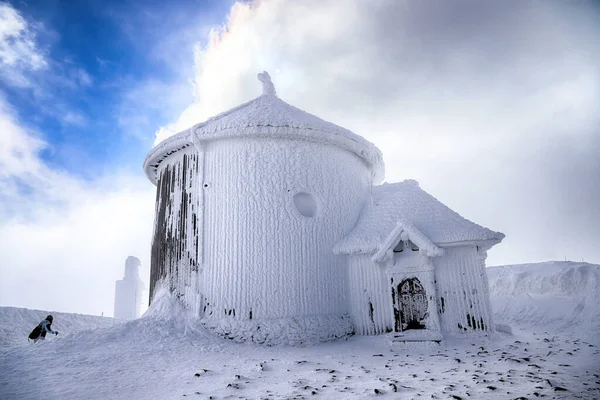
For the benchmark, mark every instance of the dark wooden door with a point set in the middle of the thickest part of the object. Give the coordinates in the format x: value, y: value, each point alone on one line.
x: 410, y: 305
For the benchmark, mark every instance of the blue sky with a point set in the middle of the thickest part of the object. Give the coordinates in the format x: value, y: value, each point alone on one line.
x: 491, y: 105
x: 98, y: 53
x: 84, y: 86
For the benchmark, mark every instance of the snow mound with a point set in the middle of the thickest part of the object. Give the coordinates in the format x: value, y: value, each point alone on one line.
x: 164, y: 305
x: 550, y: 295
x: 165, y: 320
x: 18, y: 322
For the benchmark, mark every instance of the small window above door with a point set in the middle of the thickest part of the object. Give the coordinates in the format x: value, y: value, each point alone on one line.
x: 410, y: 245
x: 399, y: 247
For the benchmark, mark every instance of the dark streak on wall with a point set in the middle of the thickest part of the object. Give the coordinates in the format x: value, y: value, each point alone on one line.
x: 173, y: 255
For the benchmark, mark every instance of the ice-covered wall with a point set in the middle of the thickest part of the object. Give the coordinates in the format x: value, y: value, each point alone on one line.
x: 373, y: 288
x: 370, y: 296
x: 455, y: 285
x: 257, y: 218
x: 463, y: 291
x: 264, y: 260
x: 176, y: 226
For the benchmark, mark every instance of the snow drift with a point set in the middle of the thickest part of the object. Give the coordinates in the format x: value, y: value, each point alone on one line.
x: 551, y: 295
x: 164, y: 320
x: 18, y: 322
x: 166, y: 354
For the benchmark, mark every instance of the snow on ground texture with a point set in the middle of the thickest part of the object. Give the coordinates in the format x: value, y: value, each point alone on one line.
x: 17, y: 323
x: 558, y: 295
x: 164, y: 357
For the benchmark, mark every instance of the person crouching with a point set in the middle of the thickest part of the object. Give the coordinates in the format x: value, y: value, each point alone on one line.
x: 39, y: 332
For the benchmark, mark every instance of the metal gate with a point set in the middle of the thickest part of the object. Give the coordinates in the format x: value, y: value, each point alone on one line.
x: 410, y: 305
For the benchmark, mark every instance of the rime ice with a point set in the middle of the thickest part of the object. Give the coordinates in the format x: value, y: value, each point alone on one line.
x: 271, y: 227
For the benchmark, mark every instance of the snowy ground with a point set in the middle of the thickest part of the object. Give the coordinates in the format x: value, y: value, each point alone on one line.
x: 18, y: 322
x: 553, y: 353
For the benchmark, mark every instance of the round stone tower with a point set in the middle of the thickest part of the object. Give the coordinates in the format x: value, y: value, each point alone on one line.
x: 249, y: 205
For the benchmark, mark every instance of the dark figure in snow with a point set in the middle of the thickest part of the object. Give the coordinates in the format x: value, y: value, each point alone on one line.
x: 39, y: 332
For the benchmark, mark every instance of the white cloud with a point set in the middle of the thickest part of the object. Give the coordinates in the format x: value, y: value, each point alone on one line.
x: 146, y: 103
x: 18, y: 50
x: 64, y: 241
x: 470, y: 98
x: 73, y: 118
x: 83, y: 77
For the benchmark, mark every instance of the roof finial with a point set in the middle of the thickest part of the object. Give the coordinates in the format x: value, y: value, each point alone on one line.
x: 267, y: 86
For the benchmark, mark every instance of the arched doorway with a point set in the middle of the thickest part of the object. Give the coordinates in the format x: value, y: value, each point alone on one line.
x: 410, y: 305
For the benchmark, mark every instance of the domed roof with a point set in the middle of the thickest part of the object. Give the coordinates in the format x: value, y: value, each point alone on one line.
x: 266, y: 116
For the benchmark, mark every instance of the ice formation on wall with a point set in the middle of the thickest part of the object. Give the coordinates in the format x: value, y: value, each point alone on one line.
x: 128, y: 291
x: 269, y: 229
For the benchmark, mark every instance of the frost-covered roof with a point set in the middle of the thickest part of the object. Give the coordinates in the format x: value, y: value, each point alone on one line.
x: 267, y: 116
x: 407, y: 203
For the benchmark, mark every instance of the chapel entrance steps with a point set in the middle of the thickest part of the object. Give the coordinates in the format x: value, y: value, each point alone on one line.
x: 414, y: 338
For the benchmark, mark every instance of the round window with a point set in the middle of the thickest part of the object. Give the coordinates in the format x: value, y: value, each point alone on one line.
x: 305, y: 204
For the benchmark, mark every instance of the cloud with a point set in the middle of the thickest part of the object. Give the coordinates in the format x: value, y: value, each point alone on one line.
x: 18, y: 49
x: 17, y: 45
x: 149, y: 102
x: 63, y: 240
x: 74, y: 118
x: 479, y: 101
x: 30, y: 70
x: 169, y: 39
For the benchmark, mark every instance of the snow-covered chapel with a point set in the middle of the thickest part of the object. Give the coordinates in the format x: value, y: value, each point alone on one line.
x: 272, y: 226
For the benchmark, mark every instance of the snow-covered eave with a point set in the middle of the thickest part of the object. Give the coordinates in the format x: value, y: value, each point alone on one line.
x: 345, y: 247
x: 484, y: 244
x: 164, y: 149
x: 362, y: 148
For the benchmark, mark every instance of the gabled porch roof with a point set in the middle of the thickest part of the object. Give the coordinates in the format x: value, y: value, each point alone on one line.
x: 406, y: 231
x: 405, y: 207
